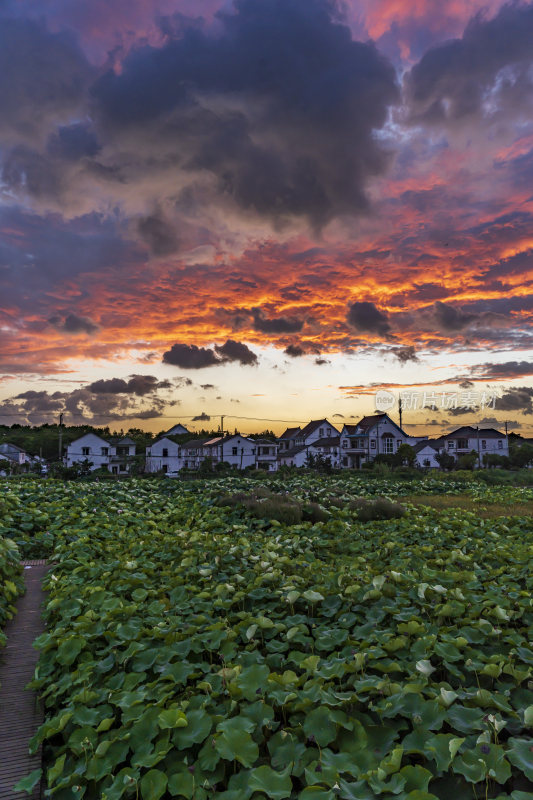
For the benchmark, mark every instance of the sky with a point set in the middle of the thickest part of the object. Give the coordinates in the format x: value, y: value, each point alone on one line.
x: 266, y: 209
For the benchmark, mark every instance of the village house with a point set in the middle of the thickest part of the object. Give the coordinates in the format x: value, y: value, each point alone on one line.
x: 164, y: 455
x: 371, y: 436
x: 328, y: 448
x: 484, y: 441
x: 295, y: 443
x: 266, y: 454
x: 114, y: 453
x: 426, y: 454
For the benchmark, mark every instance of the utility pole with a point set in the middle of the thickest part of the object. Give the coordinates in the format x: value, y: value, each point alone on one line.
x: 478, y: 451
x: 400, y: 408
x: 60, y: 437
x: 222, y: 439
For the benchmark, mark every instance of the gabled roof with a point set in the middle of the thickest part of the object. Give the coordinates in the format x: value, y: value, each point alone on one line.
x: 350, y: 429
x: 5, y: 446
x: 421, y: 445
x: 469, y: 432
x: 293, y: 452
x: 312, y: 426
x: 290, y: 433
x: 194, y: 444
x: 327, y: 441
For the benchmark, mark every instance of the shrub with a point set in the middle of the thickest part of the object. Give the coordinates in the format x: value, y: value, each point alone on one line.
x: 376, y: 508
x: 313, y: 512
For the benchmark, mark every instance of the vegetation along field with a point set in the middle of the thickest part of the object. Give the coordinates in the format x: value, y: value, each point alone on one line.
x: 239, y: 640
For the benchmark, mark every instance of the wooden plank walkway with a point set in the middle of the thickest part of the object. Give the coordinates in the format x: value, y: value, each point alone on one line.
x: 20, y: 712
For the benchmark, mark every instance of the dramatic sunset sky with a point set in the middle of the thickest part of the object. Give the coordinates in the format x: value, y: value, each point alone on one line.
x: 266, y: 209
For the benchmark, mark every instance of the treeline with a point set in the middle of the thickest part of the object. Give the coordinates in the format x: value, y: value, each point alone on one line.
x: 43, y: 440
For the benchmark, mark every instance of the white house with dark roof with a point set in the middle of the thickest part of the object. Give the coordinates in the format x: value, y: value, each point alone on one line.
x: 266, y: 455
x: 177, y: 430
x: 485, y: 441
x: 372, y: 436
x: 115, y: 453
x: 295, y: 442
x: 426, y: 454
x: 329, y: 448
x: 163, y: 455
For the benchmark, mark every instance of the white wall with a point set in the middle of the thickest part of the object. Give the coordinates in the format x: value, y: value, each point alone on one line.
x: 156, y: 461
x: 95, y: 444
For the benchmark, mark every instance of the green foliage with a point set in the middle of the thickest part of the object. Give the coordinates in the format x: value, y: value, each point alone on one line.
x: 369, y: 509
x: 196, y: 650
x: 11, y: 581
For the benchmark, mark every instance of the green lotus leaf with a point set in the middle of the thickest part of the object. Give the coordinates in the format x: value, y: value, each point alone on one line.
x: 197, y: 729
x: 252, y: 680
x: 172, y: 718
x: 29, y: 783
x: 69, y: 649
x: 319, y: 725
x: 233, y: 741
x: 520, y: 754
x: 277, y: 785
x: 153, y: 784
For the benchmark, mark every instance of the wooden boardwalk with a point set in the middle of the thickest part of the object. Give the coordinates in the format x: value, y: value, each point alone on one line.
x: 20, y: 712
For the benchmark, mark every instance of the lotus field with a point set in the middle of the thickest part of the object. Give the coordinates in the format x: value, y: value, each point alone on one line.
x: 199, y: 646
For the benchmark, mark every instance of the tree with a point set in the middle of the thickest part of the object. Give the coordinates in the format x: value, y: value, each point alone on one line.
x: 406, y: 455
x: 468, y: 460
x: 521, y: 454
x: 445, y: 460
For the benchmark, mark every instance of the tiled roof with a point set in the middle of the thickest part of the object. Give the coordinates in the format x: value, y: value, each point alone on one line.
x: 293, y: 452
x: 290, y: 433
x: 327, y: 441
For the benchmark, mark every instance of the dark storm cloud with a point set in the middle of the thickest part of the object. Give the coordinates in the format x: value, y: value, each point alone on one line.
x: 294, y: 351
x: 190, y: 356
x: 79, y: 406
x: 367, y: 318
x: 236, y: 351
x: 488, y: 69
x: 45, y: 78
x: 516, y: 399
x: 505, y: 371
x: 137, y: 384
x: 159, y: 235
x: 451, y: 318
x: 405, y: 354
x: 73, y: 323
x: 279, y: 107
x: 37, y: 251
x: 276, y: 325
x: 201, y: 417
x: 73, y: 142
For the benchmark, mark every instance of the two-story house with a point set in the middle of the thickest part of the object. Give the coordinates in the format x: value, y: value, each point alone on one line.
x: 371, y: 436
x: 115, y: 453
x: 266, y: 454
x: 300, y: 440
x: 485, y: 441
x: 164, y: 455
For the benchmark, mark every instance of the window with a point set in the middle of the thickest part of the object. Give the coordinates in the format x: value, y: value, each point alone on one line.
x: 321, y: 432
x: 388, y: 444
x: 344, y: 443
x: 372, y: 444
x: 105, y: 451
x: 427, y: 462
x: 165, y: 467
x: 462, y: 444
x: 483, y: 444
x: 85, y: 451
x: 165, y: 452
x: 329, y: 431
x: 451, y: 444
x: 233, y: 451
x: 500, y: 444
